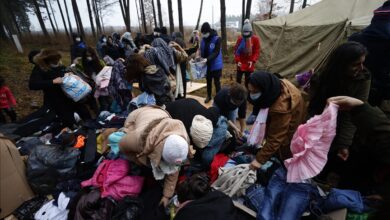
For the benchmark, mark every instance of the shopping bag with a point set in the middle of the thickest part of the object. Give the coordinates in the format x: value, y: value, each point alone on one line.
x: 74, y: 87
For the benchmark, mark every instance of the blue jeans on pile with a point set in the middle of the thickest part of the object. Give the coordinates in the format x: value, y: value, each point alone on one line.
x: 339, y: 198
x: 254, y: 195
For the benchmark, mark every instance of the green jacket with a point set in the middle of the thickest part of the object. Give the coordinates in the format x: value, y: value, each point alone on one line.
x: 359, y: 88
x: 373, y: 129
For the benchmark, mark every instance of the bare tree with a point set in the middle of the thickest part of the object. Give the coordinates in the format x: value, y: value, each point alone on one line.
x: 143, y: 16
x: 138, y: 17
x: 67, y: 14
x: 160, y: 20
x: 78, y: 18
x: 292, y: 6
x: 63, y: 18
x: 270, y: 10
x: 180, y: 10
x: 200, y: 14
x: 170, y: 12
x: 40, y: 19
x: 223, y: 26
x: 248, y: 9
x: 91, y: 19
x: 97, y: 20
x: 243, y: 13
x: 54, y: 16
x: 304, y: 4
x: 154, y: 14
x: 48, y: 14
x: 125, y: 9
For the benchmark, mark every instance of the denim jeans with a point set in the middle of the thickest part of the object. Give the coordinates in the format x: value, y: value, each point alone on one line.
x: 254, y: 195
x: 338, y: 198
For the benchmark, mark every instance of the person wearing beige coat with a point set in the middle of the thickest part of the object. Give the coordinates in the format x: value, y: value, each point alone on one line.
x: 156, y: 140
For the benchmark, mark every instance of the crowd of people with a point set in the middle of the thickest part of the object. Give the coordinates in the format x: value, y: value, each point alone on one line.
x: 202, y: 158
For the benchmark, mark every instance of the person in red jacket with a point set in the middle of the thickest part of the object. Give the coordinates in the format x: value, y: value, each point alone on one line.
x: 246, y: 52
x: 7, y: 102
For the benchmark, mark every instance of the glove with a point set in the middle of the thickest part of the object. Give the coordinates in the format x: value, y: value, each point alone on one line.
x: 251, y: 119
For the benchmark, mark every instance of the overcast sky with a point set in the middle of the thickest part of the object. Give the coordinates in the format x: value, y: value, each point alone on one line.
x: 190, y: 12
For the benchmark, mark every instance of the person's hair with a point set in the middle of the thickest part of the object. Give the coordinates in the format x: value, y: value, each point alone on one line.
x: 238, y: 92
x: 32, y: 54
x: 96, y: 65
x: 2, y: 81
x: 164, y: 30
x: 195, y: 187
x: 135, y: 66
x: 332, y: 79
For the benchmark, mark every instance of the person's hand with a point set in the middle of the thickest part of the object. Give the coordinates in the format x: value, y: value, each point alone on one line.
x: 250, y: 64
x: 343, y: 154
x: 251, y: 119
x: 239, y: 64
x: 345, y: 102
x: 57, y: 80
x: 164, y: 201
x: 255, y: 165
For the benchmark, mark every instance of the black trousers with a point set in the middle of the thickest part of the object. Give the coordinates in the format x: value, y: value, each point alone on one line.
x: 246, y: 76
x: 10, y: 112
x: 216, y: 75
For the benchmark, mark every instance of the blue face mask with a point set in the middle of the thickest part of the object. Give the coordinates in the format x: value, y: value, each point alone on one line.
x: 255, y: 96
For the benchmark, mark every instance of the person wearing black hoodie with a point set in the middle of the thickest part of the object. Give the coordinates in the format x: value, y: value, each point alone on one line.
x: 77, y: 48
x: 376, y: 38
x: 210, y: 49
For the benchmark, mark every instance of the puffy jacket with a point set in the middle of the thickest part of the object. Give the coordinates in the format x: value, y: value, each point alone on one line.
x: 243, y: 58
x: 210, y: 48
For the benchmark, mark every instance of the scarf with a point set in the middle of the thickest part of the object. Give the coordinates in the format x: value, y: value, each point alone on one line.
x: 270, y: 87
x: 245, y: 46
x: 257, y: 133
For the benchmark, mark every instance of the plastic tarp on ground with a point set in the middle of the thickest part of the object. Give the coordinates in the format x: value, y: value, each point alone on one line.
x: 303, y: 40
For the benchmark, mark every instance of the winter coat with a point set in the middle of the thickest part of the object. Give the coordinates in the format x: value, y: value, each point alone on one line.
x: 77, y: 50
x: 7, y: 99
x: 210, y: 48
x: 284, y: 116
x: 243, y: 58
x: 147, y: 129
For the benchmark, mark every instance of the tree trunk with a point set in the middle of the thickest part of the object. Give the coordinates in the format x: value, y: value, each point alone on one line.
x: 15, y: 22
x: 270, y: 10
x: 160, y: 21
x: 143, y: 16
x: 54, y: 16
x: 40, y: 19
x: 180, y: 9
x: 223, y: 27
x: 78, y: 18
x: 139, y: 19
x: 97, y: 20
x: 200, y: 14
x: 63, y: 19
x: 124, y: 4
x: 67, y: 15
x: 91, y: 19
x: 154, y: 14
x: 248, y: 9
x: 304, y: 4
x: 292, y: 6
x: 243, y: 13
x: 51, y: 21
x: 170, y: 13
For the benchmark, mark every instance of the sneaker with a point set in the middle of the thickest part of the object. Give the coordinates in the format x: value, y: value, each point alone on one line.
x: 207, y: 100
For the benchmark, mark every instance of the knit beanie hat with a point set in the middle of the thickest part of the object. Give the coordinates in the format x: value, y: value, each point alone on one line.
x: 201, y: 131
x: 114, y: 139
x: 205, y: 28
x: 175, y: 149
x: 247, y: 27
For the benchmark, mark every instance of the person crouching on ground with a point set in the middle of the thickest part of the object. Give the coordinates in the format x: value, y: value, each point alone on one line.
x: 156, y: 140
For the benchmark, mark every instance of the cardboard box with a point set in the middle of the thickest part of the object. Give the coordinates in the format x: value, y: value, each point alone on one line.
x: 14, y: 188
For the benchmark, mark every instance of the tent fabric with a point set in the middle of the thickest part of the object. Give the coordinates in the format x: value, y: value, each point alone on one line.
x: 303, y: 40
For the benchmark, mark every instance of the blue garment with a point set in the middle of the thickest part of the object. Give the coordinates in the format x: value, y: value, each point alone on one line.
x: 254, y: 195
x: 241, y: 47
x: 338, y: 198
x: 216, y: 141
x: 143, y: 99
x: 217, y: 63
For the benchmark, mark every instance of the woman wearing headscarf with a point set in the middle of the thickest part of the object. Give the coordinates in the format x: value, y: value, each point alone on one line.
x: 156, y: 140
x: 161, y: 55
x: 128, y: 45
x: 286, y: 110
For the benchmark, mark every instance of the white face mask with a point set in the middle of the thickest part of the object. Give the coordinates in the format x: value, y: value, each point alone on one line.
x: 206, y: 35
x: 156, y: 34
x: 89, y: 58
x: 55, y: 65
x: 255, y: 96
x: 78, y: 39
x: 104, y: 40
x: 246, y: 34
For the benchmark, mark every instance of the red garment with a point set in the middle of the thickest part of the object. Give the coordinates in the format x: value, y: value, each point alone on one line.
x: 7, y: 100
x: 244, y: 59
x: 219, y: 161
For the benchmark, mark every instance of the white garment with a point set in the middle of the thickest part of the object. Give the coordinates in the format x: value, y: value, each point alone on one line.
x: 175, y: 150
x: 179, y: 82
x: 163, y: 169
x: 51, y: 212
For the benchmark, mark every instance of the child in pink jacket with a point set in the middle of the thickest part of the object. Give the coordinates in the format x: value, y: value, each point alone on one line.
x: 7, y: 102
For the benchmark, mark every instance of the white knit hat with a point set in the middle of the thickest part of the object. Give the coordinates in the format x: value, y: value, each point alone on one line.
x: 175, y: 149
x: 201, y: 131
